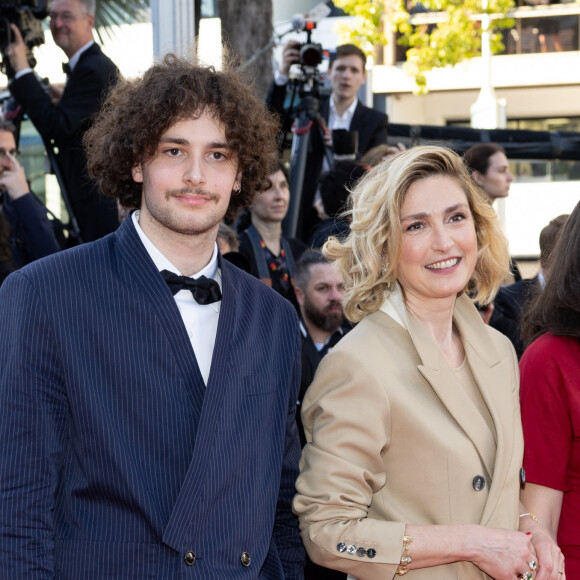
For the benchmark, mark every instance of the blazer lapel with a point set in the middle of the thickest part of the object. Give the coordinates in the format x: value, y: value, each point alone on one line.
x: 451, y: 393
x: 147, y: 286
x: 217, y: 393
x: 492, y: 369
x: 442, y: 378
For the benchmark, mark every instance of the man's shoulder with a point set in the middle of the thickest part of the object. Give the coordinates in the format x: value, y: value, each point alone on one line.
x: 94, y: 58
x: 368, y: 113
x: 86, y: 257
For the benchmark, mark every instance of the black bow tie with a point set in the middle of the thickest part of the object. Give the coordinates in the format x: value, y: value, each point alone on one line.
x: 66, y: 69
x: 204, y: 290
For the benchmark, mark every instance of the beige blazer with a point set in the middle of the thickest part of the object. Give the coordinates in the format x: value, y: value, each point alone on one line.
x: 393, y: 439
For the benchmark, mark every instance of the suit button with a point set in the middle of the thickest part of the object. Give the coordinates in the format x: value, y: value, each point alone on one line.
x: 522, y: 477
x: 189, y: 558
x: 478, y: 482
x: 245, y: 559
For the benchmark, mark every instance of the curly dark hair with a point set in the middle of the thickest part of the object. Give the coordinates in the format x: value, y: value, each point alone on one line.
x: 137, y: 112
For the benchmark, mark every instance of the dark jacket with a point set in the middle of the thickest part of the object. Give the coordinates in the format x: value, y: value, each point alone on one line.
x: 509, y: 305
x: 116, y: 460
x: 66, y: 124
x: 32, y: 234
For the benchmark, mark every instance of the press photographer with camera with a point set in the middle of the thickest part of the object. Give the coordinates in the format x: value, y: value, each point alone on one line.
x: 341, y: 111
x: 29, y: 234
x: 62, y: 120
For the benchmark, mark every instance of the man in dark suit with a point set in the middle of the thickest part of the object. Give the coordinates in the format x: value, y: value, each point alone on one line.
x: 62, y: 118
x: 341, y: 111
x: 147, y: 386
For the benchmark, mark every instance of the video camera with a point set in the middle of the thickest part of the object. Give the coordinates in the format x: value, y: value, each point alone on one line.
x: 27, y: 15
x: 310, y: 52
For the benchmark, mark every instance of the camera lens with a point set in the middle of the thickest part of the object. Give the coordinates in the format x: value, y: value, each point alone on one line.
x: 310, y: 55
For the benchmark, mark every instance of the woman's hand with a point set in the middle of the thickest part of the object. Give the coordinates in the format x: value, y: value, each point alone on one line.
x: 550, y: 557
x: 503, y: 554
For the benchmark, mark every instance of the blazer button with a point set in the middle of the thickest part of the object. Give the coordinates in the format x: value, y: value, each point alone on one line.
x: 245, y: 559
x: 522, y: 477
x: 189, y: 558
x: 478, y: 482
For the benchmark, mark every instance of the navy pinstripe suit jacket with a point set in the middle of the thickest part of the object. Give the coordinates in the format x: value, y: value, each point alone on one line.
x: 115, y: 458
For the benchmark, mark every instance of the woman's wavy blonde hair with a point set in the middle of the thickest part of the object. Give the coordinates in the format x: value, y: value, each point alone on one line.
x: 368, y: 258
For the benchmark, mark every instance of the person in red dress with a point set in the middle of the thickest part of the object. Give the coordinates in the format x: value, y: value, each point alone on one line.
x: 550, y: 400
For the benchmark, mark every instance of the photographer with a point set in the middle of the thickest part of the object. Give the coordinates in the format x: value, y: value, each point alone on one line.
x: 63, y: 119
x: 342, y: 110
x: 29, y: 234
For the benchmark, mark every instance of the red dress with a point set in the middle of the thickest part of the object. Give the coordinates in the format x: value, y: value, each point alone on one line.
x: 550, y: 400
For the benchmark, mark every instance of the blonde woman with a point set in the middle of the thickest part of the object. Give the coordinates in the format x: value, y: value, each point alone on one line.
x: 414, y: 441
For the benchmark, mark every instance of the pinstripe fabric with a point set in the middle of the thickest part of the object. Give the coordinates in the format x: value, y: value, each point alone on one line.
x: 115, y: 460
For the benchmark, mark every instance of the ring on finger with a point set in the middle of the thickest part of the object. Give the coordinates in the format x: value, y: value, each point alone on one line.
x: 525, y: 576
x: 533, y: 565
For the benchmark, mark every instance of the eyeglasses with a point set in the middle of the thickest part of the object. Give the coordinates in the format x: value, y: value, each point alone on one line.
x: 65, y: 17
x: 4, y: 154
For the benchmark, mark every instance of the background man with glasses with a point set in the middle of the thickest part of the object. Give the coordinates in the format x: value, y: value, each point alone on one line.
x: 63, y: 118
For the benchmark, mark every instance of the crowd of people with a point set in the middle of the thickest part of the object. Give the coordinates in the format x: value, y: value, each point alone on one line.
x: 193, y: 393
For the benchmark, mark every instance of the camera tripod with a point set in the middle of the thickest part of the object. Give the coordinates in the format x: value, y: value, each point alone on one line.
x: 307, y: 119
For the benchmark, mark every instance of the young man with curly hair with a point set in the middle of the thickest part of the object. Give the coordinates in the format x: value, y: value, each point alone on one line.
x: 148, y: 387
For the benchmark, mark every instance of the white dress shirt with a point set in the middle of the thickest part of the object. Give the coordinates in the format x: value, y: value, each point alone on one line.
x: 200, y: 321
x: 336, y: 121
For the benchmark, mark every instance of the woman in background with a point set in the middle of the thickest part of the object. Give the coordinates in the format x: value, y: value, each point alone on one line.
x: 550, y: 398
x: 271, y: 255
x: 490, y: 170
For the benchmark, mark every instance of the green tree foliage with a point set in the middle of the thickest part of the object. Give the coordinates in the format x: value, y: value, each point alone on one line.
x: 455, y: 37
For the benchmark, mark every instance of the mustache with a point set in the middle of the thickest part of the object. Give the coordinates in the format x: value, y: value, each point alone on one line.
x: 333, y: 304
x: 192, y: 191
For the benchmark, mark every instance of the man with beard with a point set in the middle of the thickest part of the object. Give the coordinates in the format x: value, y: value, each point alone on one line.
x: 319, y: 290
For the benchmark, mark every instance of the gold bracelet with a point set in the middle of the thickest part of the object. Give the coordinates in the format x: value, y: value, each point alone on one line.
x: 405, y: 557
x: 533, y: 516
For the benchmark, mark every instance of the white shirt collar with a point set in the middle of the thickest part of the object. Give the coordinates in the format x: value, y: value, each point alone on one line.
x: 348, y: 114
x: 162, y: 263
x: 73, y: 61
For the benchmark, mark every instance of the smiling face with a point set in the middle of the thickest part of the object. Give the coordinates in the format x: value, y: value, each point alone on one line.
x: 272, y: 205
x: 439, y: 244
x: 346, y: 77
x: 71, y: 25
x: 187, y: 183
x: 497, y: 179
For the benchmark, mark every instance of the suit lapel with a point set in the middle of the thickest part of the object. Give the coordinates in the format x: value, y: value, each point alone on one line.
x: 147, y: 287
x: 217, y: 393
x: 359, y: 123
x: 493, y: 370
x: 452, y: 394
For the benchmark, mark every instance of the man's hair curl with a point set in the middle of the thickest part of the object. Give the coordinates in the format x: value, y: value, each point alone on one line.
x: 136, y: 113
